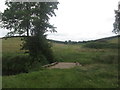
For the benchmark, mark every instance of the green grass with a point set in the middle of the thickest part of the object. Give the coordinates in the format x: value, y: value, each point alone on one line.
x: 95, y: 76
x: 99, y: 68
x: 11, y: 45
x: 114, y: 40
x: 73, y: 53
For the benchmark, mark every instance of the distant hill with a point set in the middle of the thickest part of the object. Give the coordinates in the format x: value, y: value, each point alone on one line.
x: 113, y: 39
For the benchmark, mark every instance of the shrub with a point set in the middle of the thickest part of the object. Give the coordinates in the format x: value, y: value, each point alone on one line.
x: 37, y: 46
x: 15, y: 64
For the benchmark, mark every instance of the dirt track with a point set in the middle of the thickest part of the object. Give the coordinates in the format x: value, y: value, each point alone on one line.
x: 63, y: 65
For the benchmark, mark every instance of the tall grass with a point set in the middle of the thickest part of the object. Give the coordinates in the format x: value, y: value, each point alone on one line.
x: 77, y: 53
x: 107, y: 58
x: 95, y: 76
x: 11, y: 45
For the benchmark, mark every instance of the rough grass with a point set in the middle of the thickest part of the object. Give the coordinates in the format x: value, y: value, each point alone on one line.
x: 11, y: 45
x: 98, y: 71
x: 76, y: 53
x: 93, y: 76
x: 114, y: 40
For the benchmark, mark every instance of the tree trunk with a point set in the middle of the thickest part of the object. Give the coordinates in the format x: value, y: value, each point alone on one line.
x: 27, y: 32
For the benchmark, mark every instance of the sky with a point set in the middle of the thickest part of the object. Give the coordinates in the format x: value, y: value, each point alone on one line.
x: 80, y: 20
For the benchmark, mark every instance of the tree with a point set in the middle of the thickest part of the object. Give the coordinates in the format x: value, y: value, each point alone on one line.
x: 0, y: 18
x: 117, y: 21
x: 31, y: 18
x: 23, y: 17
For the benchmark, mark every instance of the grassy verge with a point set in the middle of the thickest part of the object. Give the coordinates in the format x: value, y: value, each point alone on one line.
x: 91, y: 76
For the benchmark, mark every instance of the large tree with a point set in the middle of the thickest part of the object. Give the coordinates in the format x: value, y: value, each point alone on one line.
x: 31, y: 19
x: 21, y: 18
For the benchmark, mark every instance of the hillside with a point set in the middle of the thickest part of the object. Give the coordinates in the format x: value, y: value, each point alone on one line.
x: 112, y: 39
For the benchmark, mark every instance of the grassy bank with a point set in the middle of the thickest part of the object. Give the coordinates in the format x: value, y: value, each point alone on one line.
x: 90, y: 76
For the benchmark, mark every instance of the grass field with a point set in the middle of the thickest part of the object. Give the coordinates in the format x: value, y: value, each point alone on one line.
x: 99, y: 68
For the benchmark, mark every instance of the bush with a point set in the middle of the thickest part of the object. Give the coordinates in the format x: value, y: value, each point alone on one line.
x: 37, y: 46
x: 15, y: 64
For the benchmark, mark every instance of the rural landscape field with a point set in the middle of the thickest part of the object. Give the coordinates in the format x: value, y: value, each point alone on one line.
x: 98, y: 69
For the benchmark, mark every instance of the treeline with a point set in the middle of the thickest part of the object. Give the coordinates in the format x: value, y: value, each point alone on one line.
x: 68, y: 42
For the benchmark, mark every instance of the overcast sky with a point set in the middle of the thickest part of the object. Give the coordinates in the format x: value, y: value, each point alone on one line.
x: 79, y: 20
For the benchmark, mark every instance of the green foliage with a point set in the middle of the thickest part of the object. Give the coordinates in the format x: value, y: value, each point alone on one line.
x: 15, y: 64
x: 31, y: 18
x: 117, y: 22
x: 22, y: 17
x: 38, y: 46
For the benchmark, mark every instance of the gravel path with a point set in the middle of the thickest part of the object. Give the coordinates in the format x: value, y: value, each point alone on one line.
x: 63, y: 65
